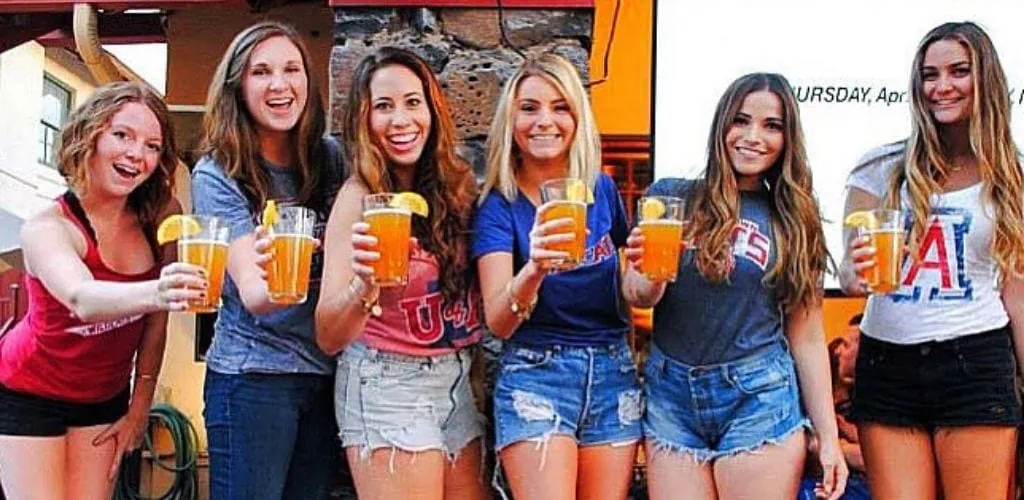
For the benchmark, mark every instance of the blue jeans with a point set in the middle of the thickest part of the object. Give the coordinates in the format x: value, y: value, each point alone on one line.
x: 270, y: 436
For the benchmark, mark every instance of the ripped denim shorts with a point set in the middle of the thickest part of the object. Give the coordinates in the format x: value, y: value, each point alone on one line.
x: 589, y: 393
x: 409, y: 403
x: 718, y: 410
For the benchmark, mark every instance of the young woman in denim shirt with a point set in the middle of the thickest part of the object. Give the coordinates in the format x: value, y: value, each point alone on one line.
x: 725, y: 406
x: 567, y: 399
x: 268, y: 387
x: 935, y: 397
x: 407, y: 416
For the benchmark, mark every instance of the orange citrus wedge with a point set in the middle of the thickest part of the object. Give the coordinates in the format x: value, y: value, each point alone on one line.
x: 176, y: 226
x: 412, y: 202
x: 651, y: 209
x: 270, y: 215
x: 863, y: 218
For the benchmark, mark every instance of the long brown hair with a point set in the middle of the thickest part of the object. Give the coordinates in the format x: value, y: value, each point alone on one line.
x: 229, y: 131
x: 802, y: 257
x: 926, y: 162
x: 441, y: 176
x: 88, y: 121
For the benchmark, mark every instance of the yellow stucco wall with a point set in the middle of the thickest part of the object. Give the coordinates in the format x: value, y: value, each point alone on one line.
x: 622, y: 103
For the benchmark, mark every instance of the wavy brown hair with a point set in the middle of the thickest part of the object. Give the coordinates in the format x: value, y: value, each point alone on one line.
x: 926, y: 163
x: 88, y: 121
x: 441, y: 176
x: 229, y: 131
x: 802, y: 257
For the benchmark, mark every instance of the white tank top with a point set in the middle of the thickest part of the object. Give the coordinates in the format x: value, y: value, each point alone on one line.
x: 952, y: 290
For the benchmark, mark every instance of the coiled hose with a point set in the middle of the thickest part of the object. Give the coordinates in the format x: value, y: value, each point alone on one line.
x: 186, y: 480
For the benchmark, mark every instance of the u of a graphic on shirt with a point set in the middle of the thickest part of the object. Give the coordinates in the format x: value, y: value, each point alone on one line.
x: 939, y: 271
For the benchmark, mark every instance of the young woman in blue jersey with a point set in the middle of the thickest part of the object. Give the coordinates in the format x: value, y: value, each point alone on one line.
x: 567, y: 400
x: 935, y: 396
x: 738, y: 362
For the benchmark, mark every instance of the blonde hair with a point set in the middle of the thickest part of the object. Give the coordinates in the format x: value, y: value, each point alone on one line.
x: 926, y: 162
x: 502, y: 150
x: 88, y: 121
x: 802, y: 257
x: 229, y: 131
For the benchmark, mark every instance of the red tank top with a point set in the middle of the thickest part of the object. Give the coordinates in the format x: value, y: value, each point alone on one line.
x: 53, y: 354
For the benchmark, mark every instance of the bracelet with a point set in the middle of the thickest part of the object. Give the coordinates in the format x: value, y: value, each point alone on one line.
x: 145, y: 376
x: 371, y: 305
x: 521, y: 310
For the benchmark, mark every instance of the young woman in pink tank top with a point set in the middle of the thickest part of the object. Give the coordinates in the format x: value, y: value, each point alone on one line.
x: 406, y: 413
x: 98, y: 299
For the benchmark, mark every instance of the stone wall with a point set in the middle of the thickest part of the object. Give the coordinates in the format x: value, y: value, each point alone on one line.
x: 466, y: 49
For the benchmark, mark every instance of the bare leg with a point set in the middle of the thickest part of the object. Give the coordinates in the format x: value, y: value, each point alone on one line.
x: 32, y: 468
x: 771, y: 471
x: 389, y: 474
x: 672, y: 475
x: 975, y: 461
x: 542, y: 472
x: 900, y: 462
x: 605, y: 471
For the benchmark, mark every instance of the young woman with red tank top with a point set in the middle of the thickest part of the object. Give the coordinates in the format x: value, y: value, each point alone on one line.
x: 98, y: 301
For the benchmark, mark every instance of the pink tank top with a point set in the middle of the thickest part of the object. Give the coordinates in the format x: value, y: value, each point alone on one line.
x: 53, y: 354
x: 416, y: 320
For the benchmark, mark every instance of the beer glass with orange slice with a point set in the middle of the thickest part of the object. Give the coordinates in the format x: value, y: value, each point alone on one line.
x: 661, y: 223
x: 885, y: 230
x: 567, y: 199
x: 202, y: 241
x: 290, y: 229
x: 389, y: 216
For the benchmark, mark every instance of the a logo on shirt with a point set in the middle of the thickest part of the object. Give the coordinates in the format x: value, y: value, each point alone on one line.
x: 94, y: 329
x: 750, y: 243
x: 939, y: 272
x: 600, y: 252
x: 434, y: 324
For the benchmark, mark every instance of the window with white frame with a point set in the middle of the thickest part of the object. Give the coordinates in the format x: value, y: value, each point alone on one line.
x: 55, y: 108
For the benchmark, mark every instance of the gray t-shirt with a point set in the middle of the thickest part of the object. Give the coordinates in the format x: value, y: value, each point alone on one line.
x: 283, y: 341
x: 702, y: 323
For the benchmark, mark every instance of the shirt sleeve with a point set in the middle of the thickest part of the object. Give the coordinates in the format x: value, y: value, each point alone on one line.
x: 492, y: 227
x: 214, y: 194
x: 873, y: 169
x: 620, y: 221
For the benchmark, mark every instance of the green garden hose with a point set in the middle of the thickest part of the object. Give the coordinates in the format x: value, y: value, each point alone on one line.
x: 186, y: 480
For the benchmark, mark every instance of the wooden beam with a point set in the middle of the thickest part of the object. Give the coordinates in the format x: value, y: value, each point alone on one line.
x: 512, y: 4
x: 26, y: 6
x: 113, y: 29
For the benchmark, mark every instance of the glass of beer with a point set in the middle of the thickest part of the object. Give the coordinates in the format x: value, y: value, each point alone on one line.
x: 568, y: 200
x: 208, y: 249
x: 392, y: 226
x: 886, y: 235
x: 661, y: 222
x: 292, y: 245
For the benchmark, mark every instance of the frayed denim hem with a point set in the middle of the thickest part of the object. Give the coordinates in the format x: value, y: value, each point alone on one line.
x: 704, y: 456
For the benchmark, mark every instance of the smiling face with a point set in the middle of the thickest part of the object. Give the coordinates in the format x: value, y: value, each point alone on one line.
x: 755, y: 138
x: 127, y: 151
x: 947, y: 83
x: 399, y: 115
x: 275, y: 85
x: 543, y: 123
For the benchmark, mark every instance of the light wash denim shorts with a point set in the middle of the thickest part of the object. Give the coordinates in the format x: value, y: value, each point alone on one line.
x: 719, y: 410
x: 589, y: 393
x: 408, y: 403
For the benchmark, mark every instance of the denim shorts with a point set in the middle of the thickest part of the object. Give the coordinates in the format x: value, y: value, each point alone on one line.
x: 410, y: 403
x: 724, y: 409
x: 589, y: 393
x: 969, y: 380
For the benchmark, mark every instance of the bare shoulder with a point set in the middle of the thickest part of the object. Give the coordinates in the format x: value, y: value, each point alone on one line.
x: 48, y: 231
x: 349, y: 201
